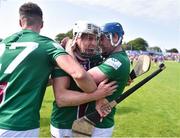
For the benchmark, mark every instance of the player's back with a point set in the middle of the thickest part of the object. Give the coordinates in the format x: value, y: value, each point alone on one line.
x: 25, y: 65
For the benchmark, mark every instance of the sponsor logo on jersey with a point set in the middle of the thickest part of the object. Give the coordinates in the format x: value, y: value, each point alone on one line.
x: 114, y: 63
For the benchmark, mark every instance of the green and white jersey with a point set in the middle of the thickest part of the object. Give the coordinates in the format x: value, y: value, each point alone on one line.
x: 63, y: 117
x: 26, y: 61
x: 116, y: 67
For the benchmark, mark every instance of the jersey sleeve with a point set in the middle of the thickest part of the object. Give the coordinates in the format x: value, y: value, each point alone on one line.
x: 54, y: 50
x: 114, y: 71
x: 109, y: 67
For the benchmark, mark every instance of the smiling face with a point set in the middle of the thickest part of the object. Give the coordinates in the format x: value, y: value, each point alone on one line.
x: 88, y: 44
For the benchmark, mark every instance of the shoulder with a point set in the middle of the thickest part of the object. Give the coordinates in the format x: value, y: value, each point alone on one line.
x: 45, y: 39
x: 116, y: 60
x: 11, y: 37
x: 120, y: 56
x: 113, y: 62
x: 48, y: 41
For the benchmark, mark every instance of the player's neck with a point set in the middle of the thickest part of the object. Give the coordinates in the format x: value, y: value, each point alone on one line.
x: 32, y: 29
x: 36, y: 27
x: 117, y: 49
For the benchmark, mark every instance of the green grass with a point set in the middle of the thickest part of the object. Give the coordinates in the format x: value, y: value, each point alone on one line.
x: 152, y: 111
x: 46, y: 113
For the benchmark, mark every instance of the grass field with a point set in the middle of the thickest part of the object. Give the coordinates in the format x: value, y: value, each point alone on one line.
x: 152, y: 111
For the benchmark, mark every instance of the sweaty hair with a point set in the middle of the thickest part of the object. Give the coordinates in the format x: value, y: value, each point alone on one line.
x: 32, y: 12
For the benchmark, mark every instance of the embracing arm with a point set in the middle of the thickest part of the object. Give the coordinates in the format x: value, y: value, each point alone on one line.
x: 97, y: 75
x: 66, y: 97
x: 80, y: 76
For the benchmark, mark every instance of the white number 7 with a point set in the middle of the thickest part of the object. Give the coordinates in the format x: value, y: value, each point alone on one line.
x: 30, y: 46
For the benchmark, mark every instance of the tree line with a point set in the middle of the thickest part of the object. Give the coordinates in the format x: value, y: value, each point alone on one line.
x: 136, y: 44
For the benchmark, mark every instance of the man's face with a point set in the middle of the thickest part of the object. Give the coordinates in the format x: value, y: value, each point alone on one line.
x: 105, y: 44
x: 88, y: 44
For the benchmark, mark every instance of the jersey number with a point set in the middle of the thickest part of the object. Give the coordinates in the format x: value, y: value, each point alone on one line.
x: 29, y: 47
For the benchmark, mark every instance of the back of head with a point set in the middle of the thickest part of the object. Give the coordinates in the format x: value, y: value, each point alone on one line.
x: 31, y: 12
x: 109, y: 29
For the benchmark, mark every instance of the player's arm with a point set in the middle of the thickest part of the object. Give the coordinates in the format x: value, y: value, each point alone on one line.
x: 73, y: 68
x: 66, y: 97
x: 97, y: 75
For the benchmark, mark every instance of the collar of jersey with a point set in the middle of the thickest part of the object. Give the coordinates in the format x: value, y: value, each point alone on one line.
x: 28, y: 31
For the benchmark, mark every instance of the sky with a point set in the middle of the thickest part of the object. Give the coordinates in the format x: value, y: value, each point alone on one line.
x: 156, y: 21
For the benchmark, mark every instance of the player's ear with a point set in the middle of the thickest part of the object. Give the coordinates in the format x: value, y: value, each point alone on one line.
x: 42, y: 24
x: 20, y: 23
x: 115, y: 37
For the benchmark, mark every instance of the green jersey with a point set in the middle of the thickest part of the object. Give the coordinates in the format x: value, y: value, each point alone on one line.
x: 26, y: 61
x: 63, y: 117
x: 116, y: 67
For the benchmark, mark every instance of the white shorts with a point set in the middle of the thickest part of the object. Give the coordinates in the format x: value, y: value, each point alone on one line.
x: 60, y: 133
x: 102, y: 132
x: 27, y: 133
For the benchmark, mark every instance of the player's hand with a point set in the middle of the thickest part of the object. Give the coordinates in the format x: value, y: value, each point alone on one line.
x: 64, y: 42
x: 105, y: 88
x: 129, y: 81
x: 103, y: 107
x: 70, y: 47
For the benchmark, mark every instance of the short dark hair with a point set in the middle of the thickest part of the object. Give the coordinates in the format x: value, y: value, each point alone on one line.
x: 32, y: 12
x: 30, y: 9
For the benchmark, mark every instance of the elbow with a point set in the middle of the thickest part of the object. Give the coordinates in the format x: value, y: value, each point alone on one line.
x: 79, y: 75
x: 61, y: 100
x: 59, y: 103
